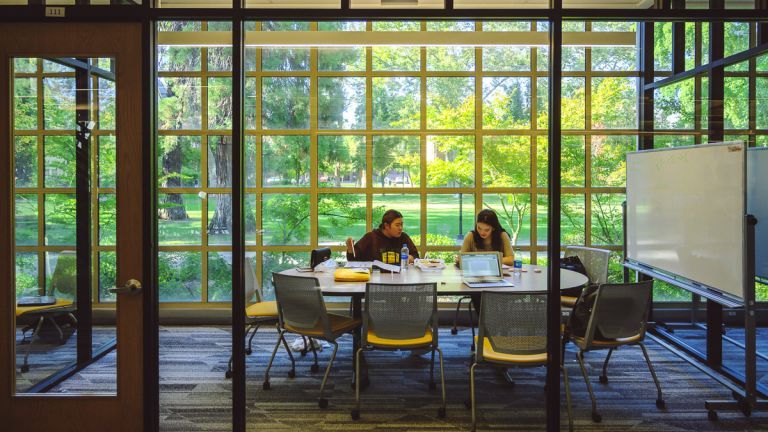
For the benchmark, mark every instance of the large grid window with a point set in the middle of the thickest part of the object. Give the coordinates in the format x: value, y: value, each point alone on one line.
x: 337, y: 135
x: 44, y: 123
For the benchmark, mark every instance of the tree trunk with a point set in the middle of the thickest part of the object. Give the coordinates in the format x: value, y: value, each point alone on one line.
x: 220, y: 175
x: 172, y: 205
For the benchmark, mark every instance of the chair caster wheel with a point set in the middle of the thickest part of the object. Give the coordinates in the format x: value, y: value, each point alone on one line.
x: 432, y: 385
x: 712, y: 415
x: 441, y: 412
x: 314, y: 368
x: 454, y: 331
x: 227, y: 374
x: 355, y: 414
x: 25, y: 368
x: 468, y: 403
x: 303, y: 352
x: 660, y: 404
x: 292, y: 373
x: 603, y: 379
x: 248, y: 351
x: 597, y: 418
x: 266, y: 385
x: 322, y: 403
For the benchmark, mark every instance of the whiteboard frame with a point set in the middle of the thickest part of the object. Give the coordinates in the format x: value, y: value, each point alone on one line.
x: 728, y: 299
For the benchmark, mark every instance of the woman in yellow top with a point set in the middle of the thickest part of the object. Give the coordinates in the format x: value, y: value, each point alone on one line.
x: 488, y: 235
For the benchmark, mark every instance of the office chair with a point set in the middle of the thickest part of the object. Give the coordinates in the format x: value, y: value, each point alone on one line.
x: 617, y: 319
x: 302, y: 311
x: 595, y: 262
x: 400, y: 317
x: 512, y: 333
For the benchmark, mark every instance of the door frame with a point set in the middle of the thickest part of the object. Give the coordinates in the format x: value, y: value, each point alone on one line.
x: 126, y: 410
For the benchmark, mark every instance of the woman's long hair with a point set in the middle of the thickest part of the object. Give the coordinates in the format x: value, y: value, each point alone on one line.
x: 488, y: 216
x: 389, y: 217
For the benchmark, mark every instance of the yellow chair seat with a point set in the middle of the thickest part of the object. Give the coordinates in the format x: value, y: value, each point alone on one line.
x: 608, y: 343
x: 60, y: 303
x: 266, y: 309
x: 339, y: 324
x: 490, y: 354
x: 373, y: 339
x: 567, y: 301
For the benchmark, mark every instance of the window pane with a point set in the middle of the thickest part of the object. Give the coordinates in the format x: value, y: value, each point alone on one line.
x: 614, y: 103
x: 59, y: 103
x: 340, y: 216
x: 453, y: 58
x: 25, y: 161
x: 251, y: 153
x: 285, y: 219
x: 450, y: 161
x: 341, y: 59
x: 285, y: 161
x: 507, y: 26
x: 574, y: 58
x: 279, y: 261
x: 59, y: 157
x: 506, y: 103
x: 250, y: 219
x: 251, y: 100
x: 572, y: 218
x: 542, y: 103
x: 107, y: 162
x: 762, y: 103
x: 285, y: 103
x: 396, y: 103
x: 341, y: 161
x: 450, y: 103
x: 107, y: 104
x: 341, y: 103
x: 514, y: 211
x: 609, y: 159
x: 25, y: 103
x: 661, y: 141
x: 542, y: 158
x: 455, y: 26
x: 60, y: 219
x: 736, y: 103
x: 219, y: 219
x: 396, y: 26
x: 607, y: 219
x: 219, y: 103
x: 107, y: 276
x: 573, y: 103
x: 219, y: 58
x: 407, y: 204
x: 507, y: 59
x: 179, y: 105
x: 107, y: 219
x: 396, y: 161
x: 662, y: 47
x: 673, y: 106
x: 573, y: 161
x: 285, y: 59
x: 736, y: 41
x: 396, y: 58
x: 449, y: 217
x: 179, y: 276
x: 507, y: 161
x: 220, y: 161
x: 26, y: 216
x: 25, y: 65
x: 616, y: 59
x: 219, y: 276
x: 179, y: 219
x: 542, y: 219
x: 178, y: 163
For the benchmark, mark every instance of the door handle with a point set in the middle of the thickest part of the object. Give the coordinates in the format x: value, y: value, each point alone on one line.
x: 131, y: 287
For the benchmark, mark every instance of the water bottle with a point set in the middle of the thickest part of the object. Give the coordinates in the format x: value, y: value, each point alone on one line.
x: 404, y: 258
x: 518, y: 264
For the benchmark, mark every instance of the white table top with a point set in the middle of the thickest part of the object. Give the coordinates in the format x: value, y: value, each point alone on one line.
x: 448, y: 280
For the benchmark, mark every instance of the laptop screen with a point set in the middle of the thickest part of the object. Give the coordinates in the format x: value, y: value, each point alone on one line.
x: 480, y: 264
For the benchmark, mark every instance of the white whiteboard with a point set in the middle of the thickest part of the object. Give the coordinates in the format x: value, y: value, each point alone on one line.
x: 757, y: 205
x: 685, y: 213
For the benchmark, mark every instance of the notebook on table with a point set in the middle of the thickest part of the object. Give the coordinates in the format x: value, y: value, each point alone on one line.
x: 483, y: 270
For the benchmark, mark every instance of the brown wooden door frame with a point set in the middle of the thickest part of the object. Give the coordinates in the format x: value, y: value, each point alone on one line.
x: 125, y: 411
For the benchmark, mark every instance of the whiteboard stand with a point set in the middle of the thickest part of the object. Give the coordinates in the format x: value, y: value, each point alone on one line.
x: 746, y: 400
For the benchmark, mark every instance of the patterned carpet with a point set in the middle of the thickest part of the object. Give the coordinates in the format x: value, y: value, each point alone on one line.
x: 195, y: 396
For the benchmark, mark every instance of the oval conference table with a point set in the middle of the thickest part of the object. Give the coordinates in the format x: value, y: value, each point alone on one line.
x: 533, y: 278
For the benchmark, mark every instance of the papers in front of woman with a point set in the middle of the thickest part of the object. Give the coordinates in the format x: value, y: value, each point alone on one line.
x: 431, y: 264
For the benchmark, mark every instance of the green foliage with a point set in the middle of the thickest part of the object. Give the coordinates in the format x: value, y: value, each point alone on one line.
x: 179, y: 275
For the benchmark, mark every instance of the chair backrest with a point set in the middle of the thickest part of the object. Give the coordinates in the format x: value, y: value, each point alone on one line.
x: 619, y: 310
x: 251, y: 284
x: 400, y: 311
x: 300, y: 301
x: 64, y: 278
x: 514, y: 323
x: 594, y: 260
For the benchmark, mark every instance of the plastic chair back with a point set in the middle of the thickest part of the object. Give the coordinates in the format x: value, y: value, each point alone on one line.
x: 514, y: 323
x: 64, y: 278
x: 299, y: 301
x: 400, y: 311
x: 620, y: 310
x: 594, y: 260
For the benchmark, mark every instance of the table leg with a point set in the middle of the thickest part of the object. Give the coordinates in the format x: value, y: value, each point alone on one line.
x: 357, y: 312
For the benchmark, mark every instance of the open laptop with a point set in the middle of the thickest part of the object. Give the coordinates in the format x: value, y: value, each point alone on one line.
x: 482, y: 270
x: 36, y: 301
